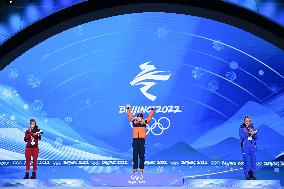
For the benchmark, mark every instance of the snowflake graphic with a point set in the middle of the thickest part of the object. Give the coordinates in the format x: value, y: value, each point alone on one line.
x: 68, y: 119
x: 44, y: 113
x: 58, y: 141
x: 234, y: 65
x: 197, y: 73
x: 276, y: 170
x: 13, y: 117
x: 13, y: 73
x: 7, y: 94
x: 26, y: 106
x: 161, y: 32
x: 213, y: 85
x: 261, y: 72
x: 217, y: 45
x: 33, y: 81
x: 231, y: 75
x: 160, y: 169
x: 37, y: 105
x: 274, y: 88
x: 45, y: 121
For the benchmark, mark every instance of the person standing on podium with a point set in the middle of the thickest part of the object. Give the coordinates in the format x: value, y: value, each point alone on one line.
x: 248, y: 136
x: 139, y: 136
x: 32, y: 136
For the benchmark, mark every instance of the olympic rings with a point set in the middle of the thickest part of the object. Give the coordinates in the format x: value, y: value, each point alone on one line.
x: 157, y: 124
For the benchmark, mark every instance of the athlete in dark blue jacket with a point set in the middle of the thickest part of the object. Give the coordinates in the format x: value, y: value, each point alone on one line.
x: 248, y: 136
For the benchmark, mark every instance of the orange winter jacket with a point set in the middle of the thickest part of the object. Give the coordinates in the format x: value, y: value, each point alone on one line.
x: 139, y: 128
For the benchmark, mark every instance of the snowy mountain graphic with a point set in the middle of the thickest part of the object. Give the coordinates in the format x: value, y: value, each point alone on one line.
x: 179, y: 151
x: 260, y: 116
x: 60, y: 141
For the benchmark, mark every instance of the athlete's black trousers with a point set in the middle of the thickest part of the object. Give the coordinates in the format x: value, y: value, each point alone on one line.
x: 138, y: 151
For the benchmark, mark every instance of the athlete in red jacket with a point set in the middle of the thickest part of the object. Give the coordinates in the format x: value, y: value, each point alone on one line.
x: 32, y: 136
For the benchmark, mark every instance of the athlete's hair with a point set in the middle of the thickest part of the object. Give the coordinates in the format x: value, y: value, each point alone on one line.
x: 246, y: 117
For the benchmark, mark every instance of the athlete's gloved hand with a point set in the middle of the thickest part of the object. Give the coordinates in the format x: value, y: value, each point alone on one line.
x: 251, y: 131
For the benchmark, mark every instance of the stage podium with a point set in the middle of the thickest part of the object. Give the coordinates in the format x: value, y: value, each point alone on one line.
x: 140, y: 181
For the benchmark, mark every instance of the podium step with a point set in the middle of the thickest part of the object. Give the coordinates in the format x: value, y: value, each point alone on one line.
x: 231, y: 183
x: 140, y: 181
x: 102, y: 180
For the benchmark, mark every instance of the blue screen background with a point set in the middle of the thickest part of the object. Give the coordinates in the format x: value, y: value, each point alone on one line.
x: 76, y: 84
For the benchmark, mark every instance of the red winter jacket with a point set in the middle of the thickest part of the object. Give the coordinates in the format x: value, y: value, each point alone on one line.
x: 31, y: 138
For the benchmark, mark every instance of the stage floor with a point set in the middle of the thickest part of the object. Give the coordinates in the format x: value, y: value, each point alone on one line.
x: 139, y: 180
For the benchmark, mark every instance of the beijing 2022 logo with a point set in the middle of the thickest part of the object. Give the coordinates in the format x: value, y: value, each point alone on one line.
x: 148, y: 73
x: 148, y: 78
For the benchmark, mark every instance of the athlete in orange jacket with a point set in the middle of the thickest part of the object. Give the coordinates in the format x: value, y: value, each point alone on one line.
x: 139, y: 135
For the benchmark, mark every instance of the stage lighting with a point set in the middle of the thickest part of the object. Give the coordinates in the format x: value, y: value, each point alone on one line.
x: 11, y: 2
